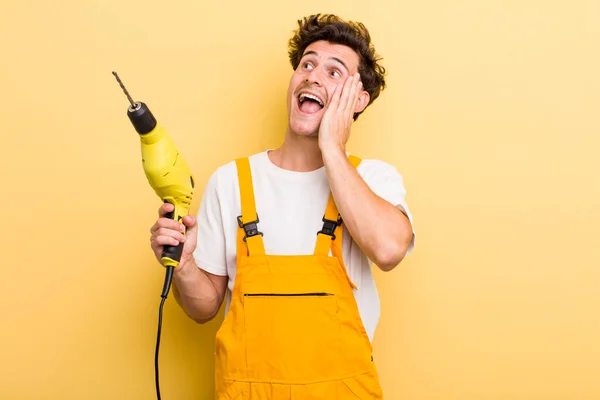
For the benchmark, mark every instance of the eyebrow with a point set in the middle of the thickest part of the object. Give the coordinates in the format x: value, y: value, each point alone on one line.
x: 331, y: 58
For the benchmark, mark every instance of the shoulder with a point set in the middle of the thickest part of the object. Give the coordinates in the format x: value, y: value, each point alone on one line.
x: 225, y: 176
x: 374, y: 170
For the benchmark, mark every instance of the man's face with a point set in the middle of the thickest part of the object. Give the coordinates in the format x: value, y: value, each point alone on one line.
x: 322, y: 67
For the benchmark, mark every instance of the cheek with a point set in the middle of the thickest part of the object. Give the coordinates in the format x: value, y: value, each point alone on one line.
x: 295, y: 81
x: 291, y: 87
x: 330, y: 89
x: 289, y: 94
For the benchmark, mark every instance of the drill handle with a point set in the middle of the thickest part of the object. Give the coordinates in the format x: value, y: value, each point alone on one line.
x: 171, y: 255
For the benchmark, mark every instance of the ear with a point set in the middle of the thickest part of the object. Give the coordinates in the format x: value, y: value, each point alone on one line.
x: 363, y: 101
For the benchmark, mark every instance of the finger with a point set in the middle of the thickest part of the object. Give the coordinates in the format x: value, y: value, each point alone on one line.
x: 345, y: 95
x: 164, y: 241
x: 351, y: 104
x: 164, y: 232
x: 165, y: 208
x: 335, y: 97
x: 189, y: 221
x: 168, y: 224
x: 192, y: 226
x: 355, y: 97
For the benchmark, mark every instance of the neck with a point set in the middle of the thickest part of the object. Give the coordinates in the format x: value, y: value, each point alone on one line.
x: 298, y: 153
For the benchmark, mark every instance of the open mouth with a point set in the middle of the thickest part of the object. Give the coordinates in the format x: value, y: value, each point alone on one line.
x: 309, y: 103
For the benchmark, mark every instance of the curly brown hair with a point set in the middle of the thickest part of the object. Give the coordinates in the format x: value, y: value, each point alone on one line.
x: 335, y: 30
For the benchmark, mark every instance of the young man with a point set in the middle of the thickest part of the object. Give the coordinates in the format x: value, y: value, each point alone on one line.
x: 286, y: 236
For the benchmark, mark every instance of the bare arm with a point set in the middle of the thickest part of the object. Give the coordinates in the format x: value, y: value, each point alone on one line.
x: 198, y: 292
x: 381, y: 230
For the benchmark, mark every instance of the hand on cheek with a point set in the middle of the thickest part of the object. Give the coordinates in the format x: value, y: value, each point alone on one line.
x: 339, y: 115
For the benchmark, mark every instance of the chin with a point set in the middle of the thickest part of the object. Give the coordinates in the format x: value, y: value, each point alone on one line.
x: 305, y: 128
x: 305, y: 125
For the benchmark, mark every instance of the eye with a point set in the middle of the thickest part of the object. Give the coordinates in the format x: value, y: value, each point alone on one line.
x: 336, y: 74
x: 307, y: 65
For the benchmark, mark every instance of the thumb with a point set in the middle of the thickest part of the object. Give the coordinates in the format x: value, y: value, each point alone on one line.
x: 191, y: 224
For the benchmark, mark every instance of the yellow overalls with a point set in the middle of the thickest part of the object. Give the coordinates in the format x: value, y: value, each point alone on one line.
x: 293, y: 330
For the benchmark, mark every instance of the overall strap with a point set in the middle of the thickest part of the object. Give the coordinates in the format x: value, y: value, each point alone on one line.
x: 330, y: 237
x: 248, y: 233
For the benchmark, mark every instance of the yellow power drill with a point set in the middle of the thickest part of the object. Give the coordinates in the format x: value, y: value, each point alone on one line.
x: 171, y: 179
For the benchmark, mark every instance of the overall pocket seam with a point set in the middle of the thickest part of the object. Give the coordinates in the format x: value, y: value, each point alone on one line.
x: 242, y: 386
x: 368, y: 392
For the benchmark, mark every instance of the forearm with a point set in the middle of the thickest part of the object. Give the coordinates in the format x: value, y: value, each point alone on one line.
x: 195, y: 293
x: 381, y: 230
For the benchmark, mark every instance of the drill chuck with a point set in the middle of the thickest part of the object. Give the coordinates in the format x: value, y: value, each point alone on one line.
x: 141, y: 117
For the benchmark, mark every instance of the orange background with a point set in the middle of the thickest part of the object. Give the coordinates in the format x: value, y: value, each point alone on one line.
x: 491, y: 115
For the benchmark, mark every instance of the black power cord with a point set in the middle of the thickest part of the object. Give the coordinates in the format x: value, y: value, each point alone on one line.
x: 157, y: 347
x: 165, y: 291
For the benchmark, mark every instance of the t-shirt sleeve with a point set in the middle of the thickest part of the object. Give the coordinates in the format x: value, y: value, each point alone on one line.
x: 210, y: 248
x: 386, y: 182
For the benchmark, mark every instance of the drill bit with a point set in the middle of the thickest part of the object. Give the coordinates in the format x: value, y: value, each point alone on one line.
x: 133, y: 105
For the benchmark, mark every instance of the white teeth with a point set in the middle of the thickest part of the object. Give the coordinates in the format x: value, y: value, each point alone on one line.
x: 310, y: 96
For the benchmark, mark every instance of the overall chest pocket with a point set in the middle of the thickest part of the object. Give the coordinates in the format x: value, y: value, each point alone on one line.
x: 292, y: 337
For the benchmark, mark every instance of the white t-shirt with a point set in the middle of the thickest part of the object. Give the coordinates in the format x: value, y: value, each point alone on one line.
x: 290, y: 206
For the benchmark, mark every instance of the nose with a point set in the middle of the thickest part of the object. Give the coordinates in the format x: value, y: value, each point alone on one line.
x: 314, y: 77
